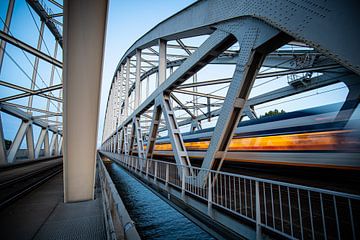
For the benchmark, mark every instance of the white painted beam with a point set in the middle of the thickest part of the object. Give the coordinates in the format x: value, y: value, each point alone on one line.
x: 84, y: 32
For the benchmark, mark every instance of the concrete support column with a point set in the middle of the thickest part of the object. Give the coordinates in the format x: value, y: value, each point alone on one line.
x: 6, y: 28
x: 127, y: 79
x: 84, y: 32
x: 137, y: 79
x: 162, y: 61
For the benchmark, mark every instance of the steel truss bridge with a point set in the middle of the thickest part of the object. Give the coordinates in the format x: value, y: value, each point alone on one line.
x: 269, y: 40
x: 166, y: 91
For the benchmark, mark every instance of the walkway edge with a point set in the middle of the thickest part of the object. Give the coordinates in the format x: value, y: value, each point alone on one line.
x: 119, y: 225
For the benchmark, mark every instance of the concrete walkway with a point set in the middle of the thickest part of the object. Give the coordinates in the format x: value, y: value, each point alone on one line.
x: 42, y: 215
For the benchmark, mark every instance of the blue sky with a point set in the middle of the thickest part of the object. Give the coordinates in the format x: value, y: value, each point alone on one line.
x: 128, y: 21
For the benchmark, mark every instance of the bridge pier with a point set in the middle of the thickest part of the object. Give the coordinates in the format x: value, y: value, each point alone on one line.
x: 84, y: 30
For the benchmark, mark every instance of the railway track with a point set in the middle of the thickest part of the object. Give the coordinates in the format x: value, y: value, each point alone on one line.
x: 20, y: 180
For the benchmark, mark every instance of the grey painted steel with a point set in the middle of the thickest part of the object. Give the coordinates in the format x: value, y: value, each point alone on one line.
x: 313, y: 83
x: 207, y: 51
x: 29, y: 49
x: 53, y: 144
x: 137, y: 80
x: 30, y: 93
x: 155, y: 122
x: 6, y: 28
x: 30, y: 141
x: 82, y: 71
x: 45, y: 15
x: 182, y: 106
x: 234, y: 195
x: 300, y: 24
x: 162, y: 62
x: 3, y: 159
x: 43, y: 139
x: 199, y: 94
x: 36, y: 63
x: 25, y: 116
x: 178, y: 146
x: 17, y: 141
x: 139, y: 137
x: 127, y: 88
x: 256, y: 39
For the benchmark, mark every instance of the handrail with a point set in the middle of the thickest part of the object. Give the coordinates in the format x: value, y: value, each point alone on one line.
x: 119, y: 223
x: 290, y: 210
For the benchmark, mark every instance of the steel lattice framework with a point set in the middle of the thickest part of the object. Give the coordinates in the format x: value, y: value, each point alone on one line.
x: 281, y: 36
x: 49, y: 141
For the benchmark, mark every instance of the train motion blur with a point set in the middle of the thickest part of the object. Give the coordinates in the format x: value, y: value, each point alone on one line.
x: 316, y: 137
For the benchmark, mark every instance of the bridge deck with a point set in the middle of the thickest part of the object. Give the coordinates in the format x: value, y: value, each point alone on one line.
x: 42, y: 215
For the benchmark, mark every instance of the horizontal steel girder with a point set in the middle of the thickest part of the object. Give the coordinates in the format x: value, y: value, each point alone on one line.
x: 17, y: 43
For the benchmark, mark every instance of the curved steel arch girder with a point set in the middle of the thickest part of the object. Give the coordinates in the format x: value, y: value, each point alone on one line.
x: 300, y: 19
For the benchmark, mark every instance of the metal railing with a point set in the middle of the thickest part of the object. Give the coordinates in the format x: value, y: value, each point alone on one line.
x: 118, y: 222
x: 290, y: 210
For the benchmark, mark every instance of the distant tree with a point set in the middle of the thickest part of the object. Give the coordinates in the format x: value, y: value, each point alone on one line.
x: 273, y: 113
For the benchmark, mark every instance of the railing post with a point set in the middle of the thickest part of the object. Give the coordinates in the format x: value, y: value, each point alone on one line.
x: 183, y: 183
x: 155, y: 173
x: 147, y: 169
x: 167, y: 178
x: 210, y: 212
x: 258, y: 214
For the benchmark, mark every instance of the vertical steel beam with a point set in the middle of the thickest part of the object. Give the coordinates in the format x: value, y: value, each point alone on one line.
x: 2, y: 144
x: 147, y: 86
x: 153, y: 131
x: 40, y: 141
x: 126, y: 110
x: 137, y: 79
x: 6, y: 29
x: 30, y: 141
x: 126, y: 140
x: 36, y: 64
x: 132, y: 138
x: 121, y: 141
x: 195, y: 101
x: 256, y: 39
x: 121, y: 92
x: 162, y: 62
x: 52, y: 75
x: 56, y: 146
x: 139, y: 138
x: 178, y: 146
x: 52, y: 144
x: 60, y: 146
x: 17, y: 142
x: 84, y: 32
x: 352, y: 100
x: 46, y: 144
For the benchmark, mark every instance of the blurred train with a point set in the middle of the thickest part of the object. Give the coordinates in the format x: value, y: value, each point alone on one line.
x: 313, y: 137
